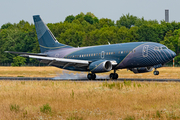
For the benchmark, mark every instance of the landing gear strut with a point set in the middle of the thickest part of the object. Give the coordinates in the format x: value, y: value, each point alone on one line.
x: 156, y: 72
x: 91, y: 76
x: 113, y: 75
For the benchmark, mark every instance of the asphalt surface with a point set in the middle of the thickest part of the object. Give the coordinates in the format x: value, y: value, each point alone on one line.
x: 54, y: 79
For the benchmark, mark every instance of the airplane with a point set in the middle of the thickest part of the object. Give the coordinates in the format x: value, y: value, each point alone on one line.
x: 138, y: 57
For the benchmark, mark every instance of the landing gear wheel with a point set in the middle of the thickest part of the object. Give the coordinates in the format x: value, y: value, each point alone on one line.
x: 116, y: 76
x: 113, y: 76
x: 91, y: 76
x: 156, y: 72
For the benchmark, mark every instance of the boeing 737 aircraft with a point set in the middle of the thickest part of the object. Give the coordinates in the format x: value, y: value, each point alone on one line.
x: 139, y: 57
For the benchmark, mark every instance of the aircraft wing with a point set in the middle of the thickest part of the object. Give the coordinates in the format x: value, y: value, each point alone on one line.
x: 60, y: 61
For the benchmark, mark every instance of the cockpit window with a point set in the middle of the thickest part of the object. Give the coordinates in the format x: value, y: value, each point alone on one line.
x: 164, y: 47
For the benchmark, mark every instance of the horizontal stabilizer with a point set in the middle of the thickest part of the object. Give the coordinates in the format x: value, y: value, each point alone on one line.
x: 25, y: 53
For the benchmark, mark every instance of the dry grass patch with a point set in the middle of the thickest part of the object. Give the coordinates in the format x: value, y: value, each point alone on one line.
x: 89, y: 100
x: 29, y: 71
x: 165, y: 72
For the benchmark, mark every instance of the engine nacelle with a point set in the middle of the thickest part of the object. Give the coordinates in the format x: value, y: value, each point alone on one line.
x: 100, y: 66
x: 141, y: 69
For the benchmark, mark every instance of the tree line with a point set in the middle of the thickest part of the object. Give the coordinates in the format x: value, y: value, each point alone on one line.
x: 88, y: 30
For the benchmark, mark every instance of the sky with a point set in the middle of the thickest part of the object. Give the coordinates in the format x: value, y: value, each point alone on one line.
x: 53, y: 11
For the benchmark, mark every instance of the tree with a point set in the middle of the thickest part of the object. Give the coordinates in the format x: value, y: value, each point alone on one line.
x: 89, y: 19
x: 70, y: 18
x: 172, y: 41
x: 7, y: 25
x: 126, y: 20
x: 105, y: 22
x: 18, y: 61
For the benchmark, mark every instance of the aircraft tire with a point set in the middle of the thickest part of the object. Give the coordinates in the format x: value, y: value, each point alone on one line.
x: 91, y: 76
x: 113, y: 76
x: 156, y: 72
x: 116, y: 76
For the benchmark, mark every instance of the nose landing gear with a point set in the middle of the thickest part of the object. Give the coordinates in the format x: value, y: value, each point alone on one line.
x: 156, y: 72
x: 113, y: 75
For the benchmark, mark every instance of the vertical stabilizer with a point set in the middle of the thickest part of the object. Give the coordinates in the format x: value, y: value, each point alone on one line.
x: 46, y: 39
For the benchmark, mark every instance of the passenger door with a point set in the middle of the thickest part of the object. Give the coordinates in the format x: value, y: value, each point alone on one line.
x: 145, y: 50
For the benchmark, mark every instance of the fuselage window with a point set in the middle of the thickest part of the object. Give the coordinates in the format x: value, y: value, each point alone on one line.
x: 73, y: 56
x: 156, y: 48
x: 99, y: 54
x: 121, y: 52
x: 79, y: 55
x: 91, y: 54
x: 94, y: 54
x: 107, y: 53
x: 113, y: 52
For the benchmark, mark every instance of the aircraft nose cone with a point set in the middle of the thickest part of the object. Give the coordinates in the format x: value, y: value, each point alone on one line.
x: 173, y: 54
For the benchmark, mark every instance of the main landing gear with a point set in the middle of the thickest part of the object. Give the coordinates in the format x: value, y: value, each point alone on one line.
x: 91, y: 76
x: 156, y: 72
x: 113, y: 75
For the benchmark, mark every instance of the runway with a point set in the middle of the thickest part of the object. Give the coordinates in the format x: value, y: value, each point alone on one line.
x: 53, y: 79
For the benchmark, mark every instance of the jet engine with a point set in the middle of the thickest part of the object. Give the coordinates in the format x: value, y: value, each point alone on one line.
x: 100, y: 66
x: 141, y: 69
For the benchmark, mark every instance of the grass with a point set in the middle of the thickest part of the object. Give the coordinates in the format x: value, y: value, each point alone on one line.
x: 165, y: 72
x: 89, y: 100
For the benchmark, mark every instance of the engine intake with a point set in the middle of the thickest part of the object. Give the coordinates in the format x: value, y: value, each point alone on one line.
x: 141, y: 69
x: 100, y: 66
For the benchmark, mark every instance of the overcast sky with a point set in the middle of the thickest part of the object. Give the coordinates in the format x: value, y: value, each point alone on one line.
x: 52, y: 11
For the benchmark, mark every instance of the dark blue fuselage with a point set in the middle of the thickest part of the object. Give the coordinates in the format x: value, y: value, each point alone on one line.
x: 126, y: 55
